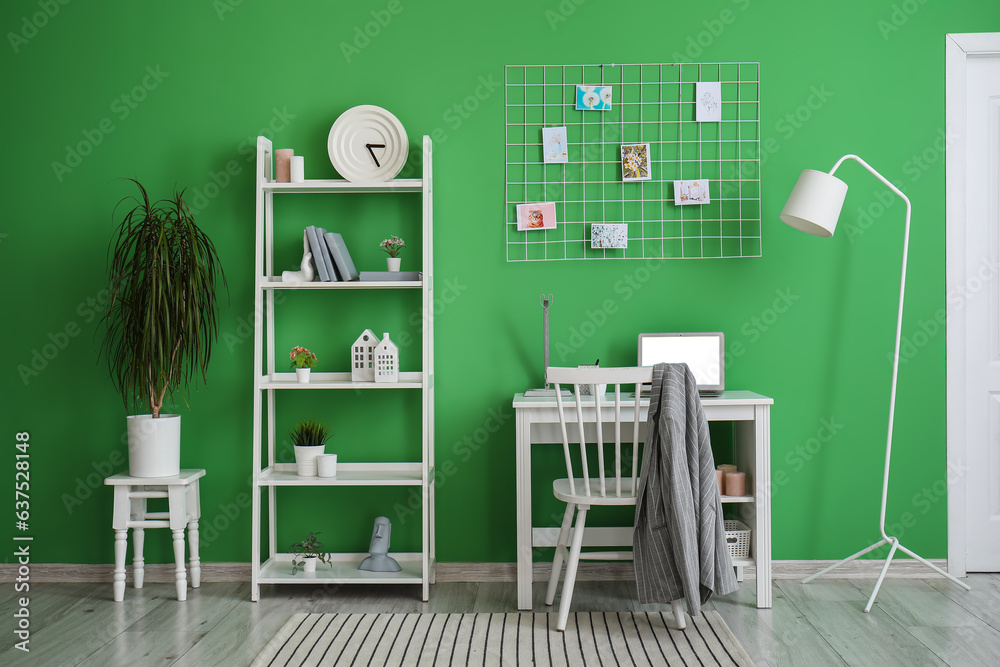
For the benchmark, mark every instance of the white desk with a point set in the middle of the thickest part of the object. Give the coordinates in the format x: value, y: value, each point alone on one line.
x: 538, y: 423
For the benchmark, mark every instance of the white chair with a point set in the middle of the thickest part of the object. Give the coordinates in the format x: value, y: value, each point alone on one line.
x: 580, y: 493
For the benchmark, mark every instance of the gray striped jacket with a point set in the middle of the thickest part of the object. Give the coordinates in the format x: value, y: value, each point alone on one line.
x: 679, y: 541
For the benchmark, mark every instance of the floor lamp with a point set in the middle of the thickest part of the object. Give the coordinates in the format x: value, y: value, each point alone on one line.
x: 814, y: 207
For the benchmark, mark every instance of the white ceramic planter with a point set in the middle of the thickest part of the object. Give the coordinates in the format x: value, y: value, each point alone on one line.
x: 302, y: 375
x: 154, y: 445
x: 305, y: 459
x: 309, y: 563
x: 393, y: 263
x: 326, y: 465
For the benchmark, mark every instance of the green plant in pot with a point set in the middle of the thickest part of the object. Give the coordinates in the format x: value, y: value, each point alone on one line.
x: 307, y: 553
x: 309, y: 439
x: 161, y: 322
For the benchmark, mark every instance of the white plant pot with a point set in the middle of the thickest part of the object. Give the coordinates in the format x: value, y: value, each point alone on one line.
x: 154, y: 445
x: 305, y: 460
x: 393, y: 263
x: 302, y: 375
x: 326, y: 465
x: 309, y: 563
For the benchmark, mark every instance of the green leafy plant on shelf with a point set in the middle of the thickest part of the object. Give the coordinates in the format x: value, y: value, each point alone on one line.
x: 310, y: 547
x: 310, y: 434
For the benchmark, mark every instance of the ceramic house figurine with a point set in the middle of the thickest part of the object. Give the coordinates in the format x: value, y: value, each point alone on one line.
x: 363, y: 357
x: 386, y: 360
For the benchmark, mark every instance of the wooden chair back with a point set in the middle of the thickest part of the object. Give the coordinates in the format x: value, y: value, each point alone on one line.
x: 589, y: 409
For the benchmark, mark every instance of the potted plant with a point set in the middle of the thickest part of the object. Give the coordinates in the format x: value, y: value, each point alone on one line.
x: 307, y: 553
x: 302, y: 361
x: 161, y: 322
x: 308, y: 439
x: 393, y: 246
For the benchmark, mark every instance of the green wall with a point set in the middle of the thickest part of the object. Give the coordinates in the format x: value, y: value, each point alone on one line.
x: 175, y: 93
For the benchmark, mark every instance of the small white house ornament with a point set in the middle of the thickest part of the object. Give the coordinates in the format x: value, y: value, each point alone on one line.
x: 363, y: 357
x: 386, y: 360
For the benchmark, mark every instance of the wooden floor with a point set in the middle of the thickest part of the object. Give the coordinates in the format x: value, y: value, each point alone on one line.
x: 914, y: 622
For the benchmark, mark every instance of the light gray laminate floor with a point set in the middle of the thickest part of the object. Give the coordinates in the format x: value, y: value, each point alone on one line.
x: 914, y: 622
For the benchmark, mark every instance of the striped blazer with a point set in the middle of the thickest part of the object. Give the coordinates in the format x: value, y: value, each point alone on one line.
x: 679, y: 541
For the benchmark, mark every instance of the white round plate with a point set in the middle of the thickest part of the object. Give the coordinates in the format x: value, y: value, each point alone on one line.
x: 362, y: 127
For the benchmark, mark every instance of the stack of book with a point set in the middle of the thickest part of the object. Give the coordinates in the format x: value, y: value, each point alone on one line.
x: 334, y: 263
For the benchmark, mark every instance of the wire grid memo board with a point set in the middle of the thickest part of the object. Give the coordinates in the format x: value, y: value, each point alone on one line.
x: 654, y: 104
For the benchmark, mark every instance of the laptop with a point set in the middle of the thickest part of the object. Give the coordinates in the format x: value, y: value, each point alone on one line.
x: 704, y: 353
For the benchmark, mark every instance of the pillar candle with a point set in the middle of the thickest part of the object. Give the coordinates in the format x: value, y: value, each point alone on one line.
x: 282, y: 164
x: 736, y: 483
x: 298, y: 169
x: 719, y: 479
x: 726, y: 468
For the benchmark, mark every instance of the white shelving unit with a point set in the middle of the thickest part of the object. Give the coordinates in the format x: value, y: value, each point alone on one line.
x: 268, y: 474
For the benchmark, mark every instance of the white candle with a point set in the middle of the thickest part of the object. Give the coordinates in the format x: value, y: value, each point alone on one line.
x: 298, y: 169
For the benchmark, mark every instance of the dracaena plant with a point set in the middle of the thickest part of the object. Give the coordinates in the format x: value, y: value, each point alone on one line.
x: 162, y: 316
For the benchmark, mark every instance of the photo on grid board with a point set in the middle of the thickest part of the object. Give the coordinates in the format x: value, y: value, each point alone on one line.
x: 554, y: 145
x: 691, y: 192
x: 536, y: 216
x: 593, y: 98
x: 708, y: 101
x: 609, y: 235
x: 635, y: 162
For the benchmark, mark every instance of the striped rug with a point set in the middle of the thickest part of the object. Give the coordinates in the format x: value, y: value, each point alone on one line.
x: 602, y: 639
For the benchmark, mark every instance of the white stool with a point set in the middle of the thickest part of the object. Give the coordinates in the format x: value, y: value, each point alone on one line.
x: 184, y: 508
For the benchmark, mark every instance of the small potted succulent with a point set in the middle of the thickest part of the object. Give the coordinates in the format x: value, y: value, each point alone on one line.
x: 392, y: 246
x: 307, y: 553
x: 302, y: 361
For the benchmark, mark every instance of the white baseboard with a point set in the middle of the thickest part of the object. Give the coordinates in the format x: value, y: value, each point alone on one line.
x: 486, y: 572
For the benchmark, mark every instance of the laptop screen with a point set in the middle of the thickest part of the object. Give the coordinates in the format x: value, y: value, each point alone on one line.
x: 704, y: 353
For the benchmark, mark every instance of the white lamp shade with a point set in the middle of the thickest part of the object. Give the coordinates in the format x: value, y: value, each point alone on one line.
x: 815, y: 203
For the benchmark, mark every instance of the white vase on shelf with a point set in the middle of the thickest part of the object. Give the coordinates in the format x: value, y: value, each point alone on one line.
x: 326, y: 465
x: 393, y: 263
x: 302, y: 375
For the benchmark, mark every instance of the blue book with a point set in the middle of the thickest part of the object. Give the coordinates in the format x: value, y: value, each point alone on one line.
x: 382, y: 276
x: 317, y: 251
x: 330, y: 267
x: 341, y: 257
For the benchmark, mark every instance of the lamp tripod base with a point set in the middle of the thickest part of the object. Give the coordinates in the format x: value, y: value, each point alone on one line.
x: 885, y: 568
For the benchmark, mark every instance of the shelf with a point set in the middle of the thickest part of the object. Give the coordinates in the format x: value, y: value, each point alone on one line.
x: 277, y: 570
x: 348, y: 474
x: 737, y: 499
x: 272, y: 283
x: 744, y: 562
x: 407, y: 380
x: 271, y: 372
x: 339, y: 185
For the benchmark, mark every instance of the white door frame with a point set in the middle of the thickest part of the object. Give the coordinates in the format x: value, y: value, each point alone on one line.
x: 958, y: 49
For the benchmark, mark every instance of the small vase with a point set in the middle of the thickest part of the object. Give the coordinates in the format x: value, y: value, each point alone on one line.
x: 393, y: 263
x: 309, y: 564
x: 302, y: 375
x: 326, y: 465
